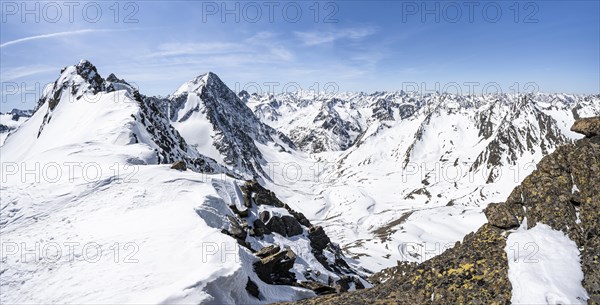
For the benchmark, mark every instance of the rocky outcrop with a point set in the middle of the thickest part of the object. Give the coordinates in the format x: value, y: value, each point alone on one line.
x: 590, y: 127
x: 275, y: 268
x: 473, y: 272
x: 563, y: 192
x: 256, y: 215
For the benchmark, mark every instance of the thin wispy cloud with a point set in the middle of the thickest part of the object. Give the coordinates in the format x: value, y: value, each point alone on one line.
x: 312, y: 38
x: 10, y: 74
x: 261, y: 47
x: 52, y: 35
x: 196, y: 48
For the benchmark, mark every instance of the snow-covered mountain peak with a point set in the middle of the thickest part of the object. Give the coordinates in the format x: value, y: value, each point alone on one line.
x: 198, y: 82
x: 214, y: 119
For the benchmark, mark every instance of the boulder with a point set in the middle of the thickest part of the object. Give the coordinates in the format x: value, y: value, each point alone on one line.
x: 275, y: 269
x: 590, y: 127
x: 275, y: 224
x: 292, y: 226
x: 264, y: 216
x: 267, y: 251
x: 260, y: 228
x: 284, y: 225
x: 299, y: 217
x: 179, y: 165
x: 501, y: 216
x: 318, y: 239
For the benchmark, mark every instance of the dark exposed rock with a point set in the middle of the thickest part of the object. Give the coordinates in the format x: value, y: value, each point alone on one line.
x: 264, y: 216
x: 275, y: 224
x: 236, y: 229
x: 274, y: 269
x: 260, y: 228
x: 252, y: 289
x: 343, y: 284
x: 499, y: 215
x: 4, y: 128
x: 589, y: 127
x: 318, y: 239
x: 473, y: 272
x: 299, y: 217
x: 289, y: 226
x: 236, y: 129
x: 179, y: 165
x: 292, y: 226
x: 284, y: 225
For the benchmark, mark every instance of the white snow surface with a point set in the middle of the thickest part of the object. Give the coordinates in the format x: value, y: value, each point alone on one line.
x: 6, y: 120
x: 544, y: 267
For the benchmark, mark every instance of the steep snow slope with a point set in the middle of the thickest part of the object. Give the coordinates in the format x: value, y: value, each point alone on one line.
x: 10, y: 121
x: 217, y: 123
x: 134, y: 241
x: 82, y: 182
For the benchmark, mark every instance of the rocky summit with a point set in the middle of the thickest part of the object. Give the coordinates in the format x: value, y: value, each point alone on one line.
x: 563, y: 192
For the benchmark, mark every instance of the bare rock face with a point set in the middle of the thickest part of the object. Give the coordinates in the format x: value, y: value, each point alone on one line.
x: 563, y: 193
x: 318, y: 239
x: 590, y: 127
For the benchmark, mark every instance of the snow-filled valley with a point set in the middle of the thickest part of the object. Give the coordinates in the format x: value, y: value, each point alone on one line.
x: 332, y: 187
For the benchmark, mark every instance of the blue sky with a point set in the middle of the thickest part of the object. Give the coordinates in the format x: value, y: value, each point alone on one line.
x: 348, y: 46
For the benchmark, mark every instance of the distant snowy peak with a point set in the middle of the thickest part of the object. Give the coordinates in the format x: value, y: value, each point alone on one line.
x: 197, y: 83
x: 333, y: 122
x: 212, y: 118
x: 10, y: 121
x: 79, y: 79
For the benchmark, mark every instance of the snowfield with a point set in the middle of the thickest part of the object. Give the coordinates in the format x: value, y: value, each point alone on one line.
x: 544, y: 267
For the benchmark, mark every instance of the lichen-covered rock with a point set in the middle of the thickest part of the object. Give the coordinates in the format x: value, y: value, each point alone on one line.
x: 501, y: 216
x: 473, y: 272
x: 589, y: 127
x: 318, y: 288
